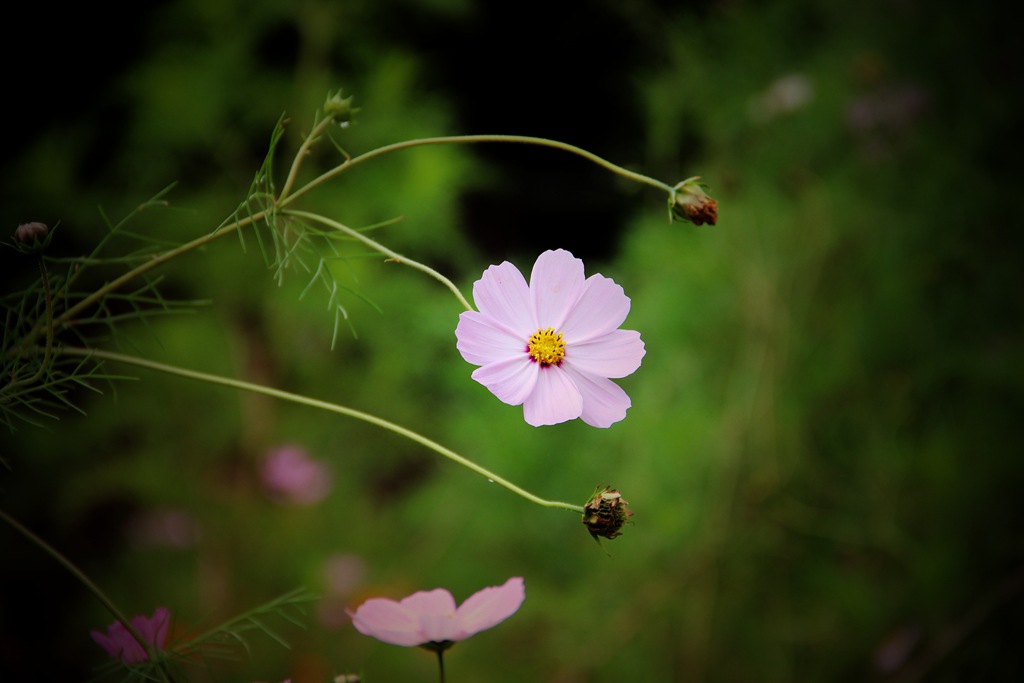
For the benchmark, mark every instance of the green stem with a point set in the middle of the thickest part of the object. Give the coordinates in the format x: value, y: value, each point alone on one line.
x: 48, y: 351
x: 160, y: 259
x: 155, y: 261
x: 150, y: 648
x: 440, y: 663
x: 286, y: 199
x: 376, y: 246
x: 293, y: 172
x: 322, y: 405
x: 464, y: 139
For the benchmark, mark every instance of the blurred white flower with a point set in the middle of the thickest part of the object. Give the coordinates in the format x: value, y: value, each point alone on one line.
x: 783, y: 96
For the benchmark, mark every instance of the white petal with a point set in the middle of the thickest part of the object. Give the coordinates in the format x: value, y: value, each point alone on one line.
x: 554, y: 399
x: 615, y: 354
x: 556, y: 284
x: 481, y: 340
x: 510, y: 380
x: 602, y: 307
x: 502, y: 294
x: 604, y: 401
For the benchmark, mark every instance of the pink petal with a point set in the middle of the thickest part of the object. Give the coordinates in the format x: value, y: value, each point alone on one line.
x: 602, y: 307
x: 491, y: 606
x: 435, y: 602
x: 482, y: 341
x: 615, y: 354
x: 388, y: 621
x: 556, y: 284
x: 437, y: 628
x: 554, y: 399
x: 111, y: 645
x: 502, y: 294
x: 511, y: 380
x: 604, y: 401
x: 120, y: 644
x: 154, y: 629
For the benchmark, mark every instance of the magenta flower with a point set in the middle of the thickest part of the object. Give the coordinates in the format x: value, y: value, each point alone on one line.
x: 291, y: 476
x: 120, y: 644
x: 430, y: 618
x: 554, y: 344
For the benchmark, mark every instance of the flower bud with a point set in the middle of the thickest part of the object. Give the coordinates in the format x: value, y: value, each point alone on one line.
x: 339, y: 108
x: 605, y: 513
x: 689, y: 202
x: 31, y: 238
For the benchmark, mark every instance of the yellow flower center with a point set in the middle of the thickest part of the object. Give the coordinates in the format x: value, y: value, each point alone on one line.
x: 546, y: 347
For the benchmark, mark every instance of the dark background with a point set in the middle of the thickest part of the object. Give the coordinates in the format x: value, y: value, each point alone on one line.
x: 823, y: 452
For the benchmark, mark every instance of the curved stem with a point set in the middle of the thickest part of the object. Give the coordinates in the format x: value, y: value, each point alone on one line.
x: 286, y: 199
x: 322, y: 405
x: 87, y: 582
x: 377, y: 246
x: 469, y: 139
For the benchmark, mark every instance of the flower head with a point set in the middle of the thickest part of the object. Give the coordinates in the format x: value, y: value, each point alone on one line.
x: 551, y: 345
x: 290, y: 475
x: 121, y: 644
x: 605, y: 513
x: 431, y: 619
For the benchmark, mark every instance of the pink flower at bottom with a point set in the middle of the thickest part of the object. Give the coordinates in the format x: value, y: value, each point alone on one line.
x: 432, y: 617
x: 120, y: 644
x: 553, y: 345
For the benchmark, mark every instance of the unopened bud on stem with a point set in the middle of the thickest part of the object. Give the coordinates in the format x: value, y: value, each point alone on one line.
x: 339, y: 108
x: 605, y: 513
x: 689, y: 202
x: 32, y: 238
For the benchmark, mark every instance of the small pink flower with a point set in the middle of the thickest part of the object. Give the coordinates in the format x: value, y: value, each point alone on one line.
x: 554, y: 344
x: 431, y: 616
x: 291, y: 476
x: 120, y: 644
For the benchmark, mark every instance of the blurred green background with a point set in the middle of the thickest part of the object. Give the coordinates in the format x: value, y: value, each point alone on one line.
x: 822, y: 454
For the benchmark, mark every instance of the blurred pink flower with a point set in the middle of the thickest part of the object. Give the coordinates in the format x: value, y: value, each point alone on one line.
x: 432, y: 617
x: 342, y: 574
x: 551, y: 345
x: 120, y: 644
x: 291, y: 476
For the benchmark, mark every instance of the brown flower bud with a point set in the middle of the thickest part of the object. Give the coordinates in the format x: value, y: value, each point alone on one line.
x: 32, y: 237
x: 605, y: 513
x: 689, y: 202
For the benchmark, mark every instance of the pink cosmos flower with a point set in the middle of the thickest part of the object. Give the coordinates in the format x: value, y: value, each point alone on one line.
x: 427, y: 617
x: 551, y: 345
x: 291, y: 476
x: 120, y: 644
